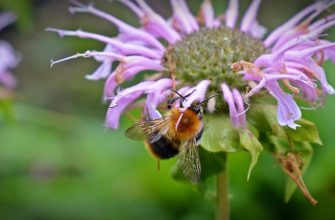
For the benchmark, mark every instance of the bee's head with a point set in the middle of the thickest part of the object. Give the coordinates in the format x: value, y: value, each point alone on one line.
x: 196, y: 106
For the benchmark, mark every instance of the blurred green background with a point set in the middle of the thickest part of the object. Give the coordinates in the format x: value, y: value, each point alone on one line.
x: 57, y: 161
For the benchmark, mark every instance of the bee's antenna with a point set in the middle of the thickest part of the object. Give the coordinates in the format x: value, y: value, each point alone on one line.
x: 178, y: 94
x: 190, y: 94
x: 183, y: 98
x: 206, y: 100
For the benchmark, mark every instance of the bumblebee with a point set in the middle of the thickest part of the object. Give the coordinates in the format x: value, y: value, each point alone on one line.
x: 176, y: 134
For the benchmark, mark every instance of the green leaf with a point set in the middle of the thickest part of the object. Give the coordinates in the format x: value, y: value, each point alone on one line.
x: 264, y: 117
x: 208, y: 187
x: 219, y: 135
x: 268, y: 113
x: 307, y: 132
x: 306, y: 153
x: 280, y: 145
x: 251, y: 144
x: 177, y: 174
x: 211, y: 164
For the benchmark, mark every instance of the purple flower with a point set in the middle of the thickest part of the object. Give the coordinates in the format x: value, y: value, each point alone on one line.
x: 209, y: 53
x: 8, y: 57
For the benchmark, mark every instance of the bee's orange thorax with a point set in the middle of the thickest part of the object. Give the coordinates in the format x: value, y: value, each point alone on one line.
x: 189, y: 125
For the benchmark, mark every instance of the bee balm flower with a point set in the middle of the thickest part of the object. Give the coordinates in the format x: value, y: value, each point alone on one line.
x: 210, y: 54
x: 238, y: 65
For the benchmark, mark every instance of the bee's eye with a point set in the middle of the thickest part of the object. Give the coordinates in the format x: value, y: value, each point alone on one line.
x: 196, y: 108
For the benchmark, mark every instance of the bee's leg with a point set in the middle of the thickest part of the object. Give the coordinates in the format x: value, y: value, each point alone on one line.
x: 158, y: 165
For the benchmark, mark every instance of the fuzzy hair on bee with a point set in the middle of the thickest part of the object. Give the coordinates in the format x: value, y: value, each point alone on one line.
x: 176, y: 134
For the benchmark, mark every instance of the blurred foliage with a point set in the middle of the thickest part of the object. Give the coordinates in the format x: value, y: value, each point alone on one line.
x: 6, y: 110
x: 57, y: 161
x: 55, y: 166
x: 23, y: 9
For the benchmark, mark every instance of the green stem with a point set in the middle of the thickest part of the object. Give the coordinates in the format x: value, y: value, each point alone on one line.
x: 223, y: 206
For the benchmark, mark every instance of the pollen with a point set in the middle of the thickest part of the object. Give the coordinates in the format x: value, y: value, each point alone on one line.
x: 209, y: 54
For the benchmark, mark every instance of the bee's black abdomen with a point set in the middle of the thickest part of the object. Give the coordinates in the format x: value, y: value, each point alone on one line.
x: 164, y: 148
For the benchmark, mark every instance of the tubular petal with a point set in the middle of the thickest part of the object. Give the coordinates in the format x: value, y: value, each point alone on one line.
x: 198, y: 94
x: 287, y: 110
x: 290, y: 23
x: 228, y: 97
x: 232, y: 13
x: 250, y: 16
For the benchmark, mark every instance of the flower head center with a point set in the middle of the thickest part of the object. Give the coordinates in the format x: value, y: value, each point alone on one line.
x: 209, y: 54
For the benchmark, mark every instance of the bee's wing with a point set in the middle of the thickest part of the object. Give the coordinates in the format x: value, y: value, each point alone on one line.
x: 151, y: 130
x: 189, y: 160
x: 137, y: 131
